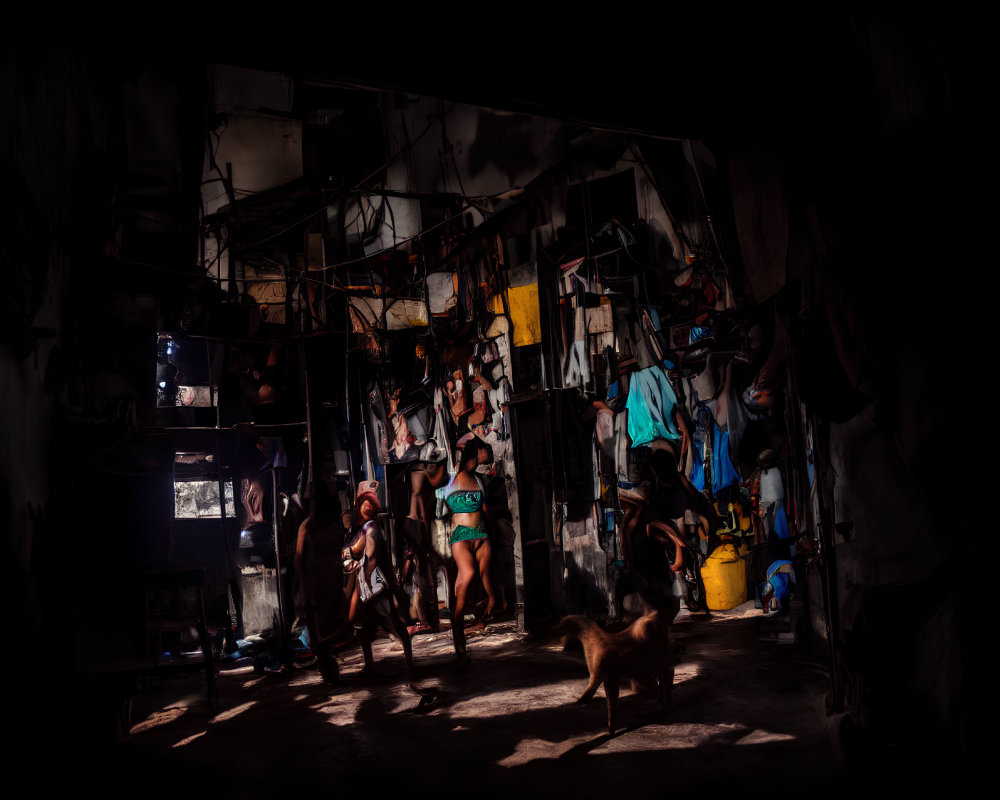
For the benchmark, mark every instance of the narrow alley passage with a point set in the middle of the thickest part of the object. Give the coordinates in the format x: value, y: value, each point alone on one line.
x: 748, y: 717
x: 301, y: 347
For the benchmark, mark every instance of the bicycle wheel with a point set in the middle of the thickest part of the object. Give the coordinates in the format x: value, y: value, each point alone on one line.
x: 695, y: 596
x: 695, y: 591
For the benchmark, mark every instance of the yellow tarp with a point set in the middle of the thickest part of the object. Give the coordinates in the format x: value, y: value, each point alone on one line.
x: 523, y: 301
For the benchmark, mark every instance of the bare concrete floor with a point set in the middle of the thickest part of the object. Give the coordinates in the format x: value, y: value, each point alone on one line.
x: 748, y: 717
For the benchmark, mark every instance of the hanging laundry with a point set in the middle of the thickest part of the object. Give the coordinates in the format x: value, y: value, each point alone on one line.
x: 604, y: 436
x: 457, y: 393
x: 605, y: 429
x: 482, y: 415
x: 568, y: 275
x: 378, y: 424
x: 776, y: 588
x: 486, y: 359
x: 721, y: 469
x: 441, y: 437
x: 621, y: 448
x: 498, y: 396
x: 651, y: 405
x: 600, y: 318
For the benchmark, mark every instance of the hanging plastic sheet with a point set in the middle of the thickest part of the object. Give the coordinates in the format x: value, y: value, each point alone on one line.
x: 404, y: 313
x: 400, y: 313
x: 651, y: 405
x: 722, y: 471
x: 441, y: 430
x: 441, y: 292
x: 378, y: 425
x: 524, y: 313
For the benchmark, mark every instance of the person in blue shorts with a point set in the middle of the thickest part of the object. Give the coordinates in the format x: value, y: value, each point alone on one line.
x: 465, y: 496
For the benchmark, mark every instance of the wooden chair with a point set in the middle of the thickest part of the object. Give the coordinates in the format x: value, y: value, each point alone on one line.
x: 174, y: 608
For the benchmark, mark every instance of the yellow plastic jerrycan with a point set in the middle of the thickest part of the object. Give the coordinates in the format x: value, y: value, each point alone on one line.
x: 725, y: 577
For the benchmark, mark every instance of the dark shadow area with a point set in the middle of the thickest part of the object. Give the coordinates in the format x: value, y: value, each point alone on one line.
x: 746, y: 715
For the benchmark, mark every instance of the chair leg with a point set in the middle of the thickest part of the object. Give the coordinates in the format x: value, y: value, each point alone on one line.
x: 211, y: 687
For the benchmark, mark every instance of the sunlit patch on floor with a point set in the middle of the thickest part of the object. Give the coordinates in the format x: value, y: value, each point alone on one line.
x: 341, y: 710
x: 673, y: 737
x: 253, y: 681
x: 528, y: 750
x: 685, y: 672
x: 222, y: 716
x: 764, y: 737
x: 190, y: 739
x: 515, y: 699
x: 158, y: 718
x: 340, y: 716
x: 327, y: 709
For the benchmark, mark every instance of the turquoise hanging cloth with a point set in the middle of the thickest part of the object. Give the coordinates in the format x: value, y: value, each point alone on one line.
x: 651, y: 404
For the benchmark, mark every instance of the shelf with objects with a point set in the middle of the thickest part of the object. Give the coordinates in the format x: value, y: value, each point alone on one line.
x: 233, y: 408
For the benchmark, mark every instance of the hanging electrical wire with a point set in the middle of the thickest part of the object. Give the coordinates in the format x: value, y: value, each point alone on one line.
x: 678, y: 230
x: 407, y: 150
x: 284, y: 230
x: 371, y: 218
x: 708, y: 215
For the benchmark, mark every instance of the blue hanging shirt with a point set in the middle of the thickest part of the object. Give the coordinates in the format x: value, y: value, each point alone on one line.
x: 723, y: 472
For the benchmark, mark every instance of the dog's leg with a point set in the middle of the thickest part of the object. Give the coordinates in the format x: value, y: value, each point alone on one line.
x: 596, y: 665
x: 664, y: 681
x: 597, y: 669
x: 667, y: 678
x: 611, y: 686
x: 590, y: 688
x: 667, y: 684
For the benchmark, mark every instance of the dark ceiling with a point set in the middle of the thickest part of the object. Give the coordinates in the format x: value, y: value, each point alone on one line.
x: 685, y: 73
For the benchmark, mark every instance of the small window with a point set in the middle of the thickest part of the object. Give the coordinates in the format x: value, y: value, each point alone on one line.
x: 196, y: 488
x: 183, y: 372
x: 201, y: 396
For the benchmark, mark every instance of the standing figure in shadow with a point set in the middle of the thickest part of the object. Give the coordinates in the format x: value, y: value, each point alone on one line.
x: 319, y: 577
x: 422, y: 562
x: 374, y: 595
x: 465, y: 496
x: 667, y: 514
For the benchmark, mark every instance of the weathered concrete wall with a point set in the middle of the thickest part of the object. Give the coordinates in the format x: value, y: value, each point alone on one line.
x: 856, y: 257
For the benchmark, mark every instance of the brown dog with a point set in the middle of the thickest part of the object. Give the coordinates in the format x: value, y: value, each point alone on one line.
x: 640, y: 652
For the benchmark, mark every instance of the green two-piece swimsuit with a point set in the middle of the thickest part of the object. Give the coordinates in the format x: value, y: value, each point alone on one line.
x: 466, y: 501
